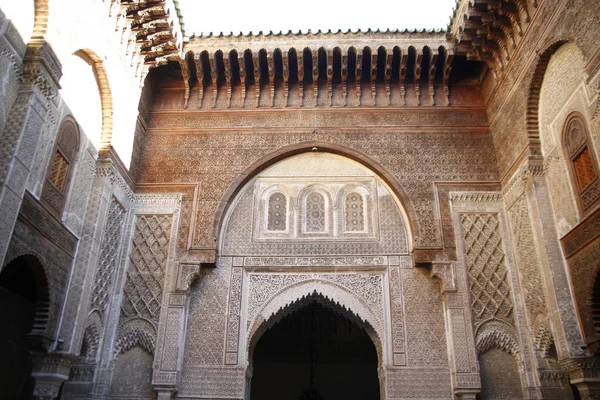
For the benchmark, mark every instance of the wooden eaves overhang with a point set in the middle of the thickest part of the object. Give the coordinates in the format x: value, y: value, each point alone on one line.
x: 319, y: 60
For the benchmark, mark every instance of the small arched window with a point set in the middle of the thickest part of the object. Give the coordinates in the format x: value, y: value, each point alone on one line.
x: 315, y: 212
x: 354, y: 210
x: 277, y: 212
x: 58, y: 179
x: 582, y: 163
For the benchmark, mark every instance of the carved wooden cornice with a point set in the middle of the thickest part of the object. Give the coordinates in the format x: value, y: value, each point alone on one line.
x: 490, y: 30
x: 320, y: 62
x: 155, y: 26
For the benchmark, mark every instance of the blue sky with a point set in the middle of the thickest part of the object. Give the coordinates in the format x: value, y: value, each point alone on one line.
x: 275, y: 15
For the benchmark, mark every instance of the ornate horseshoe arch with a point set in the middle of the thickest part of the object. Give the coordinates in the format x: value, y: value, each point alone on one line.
x: 360, y: 297
x: 318, y: 226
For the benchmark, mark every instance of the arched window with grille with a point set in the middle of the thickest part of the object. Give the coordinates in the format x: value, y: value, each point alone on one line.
x: 582, y: 163
x: 277, y: 212
x: 316, y: 218
x: 58, y: 179
x: 355, y: 212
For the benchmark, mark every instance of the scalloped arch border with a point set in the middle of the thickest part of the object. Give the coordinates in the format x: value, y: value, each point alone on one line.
x: 336, y: 297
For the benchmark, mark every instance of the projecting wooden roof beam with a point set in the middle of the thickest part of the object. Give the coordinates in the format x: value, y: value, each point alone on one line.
x: 373, y: 73
x: 358, y: 74
x: 242, y: 64
x: 402, y: 75
x: 344, y: 76
x: 200, y: 77
x: 417, y: 74
x: 431, y: 74
x: 389, y: 57
x: 256, y: 67
x: 271, y: 75
x: 315, y: 74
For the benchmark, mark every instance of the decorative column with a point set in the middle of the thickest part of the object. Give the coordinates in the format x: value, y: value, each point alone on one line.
x: 466, y: 382
x: 550, y: 310
x: 171, y: 333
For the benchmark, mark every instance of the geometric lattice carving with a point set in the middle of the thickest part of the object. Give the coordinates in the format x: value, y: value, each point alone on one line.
x: 277, y: 212
x: 424, y: 320
x: 58, y: 173
x: 315, y: 212
x: 355, y: 218
x: 145, y: 274
x: 56, y: 184
x: 584, y: 168
x: 487, y: 273
x: 108, y: 256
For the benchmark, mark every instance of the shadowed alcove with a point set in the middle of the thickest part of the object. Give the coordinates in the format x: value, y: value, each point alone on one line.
x: 315, y: 352
x: 23, y: 312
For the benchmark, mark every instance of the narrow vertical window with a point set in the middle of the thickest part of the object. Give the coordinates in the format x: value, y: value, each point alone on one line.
x: 315, y: 212
x: 277, y: 212
x: 355, y: 218
x: 583, y: 167
x: 56, y: 185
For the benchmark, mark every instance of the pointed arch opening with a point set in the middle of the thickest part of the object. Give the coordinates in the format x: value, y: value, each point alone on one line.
x: 334, y: 353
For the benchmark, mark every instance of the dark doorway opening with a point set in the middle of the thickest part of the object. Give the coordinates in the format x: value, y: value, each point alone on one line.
x: 315, y: 353
x: 23, y: 313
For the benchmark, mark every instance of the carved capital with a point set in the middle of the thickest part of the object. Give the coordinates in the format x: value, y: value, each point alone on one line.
x: 532, y: 168
x: 424, y: 257
x: 582, y: 368
x: 188, y: 272
x: 445, y: 271
x: 584, y: 373
x: 50, y: 371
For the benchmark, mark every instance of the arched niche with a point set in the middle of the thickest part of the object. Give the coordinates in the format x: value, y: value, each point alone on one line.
x: 231, y: 195
x: 385, y: 229
x: 562, y: 95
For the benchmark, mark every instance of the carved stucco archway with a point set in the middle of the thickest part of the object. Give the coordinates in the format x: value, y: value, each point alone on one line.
x: 305, y: 147
x: 334, y: 296
x: 260, y: 277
